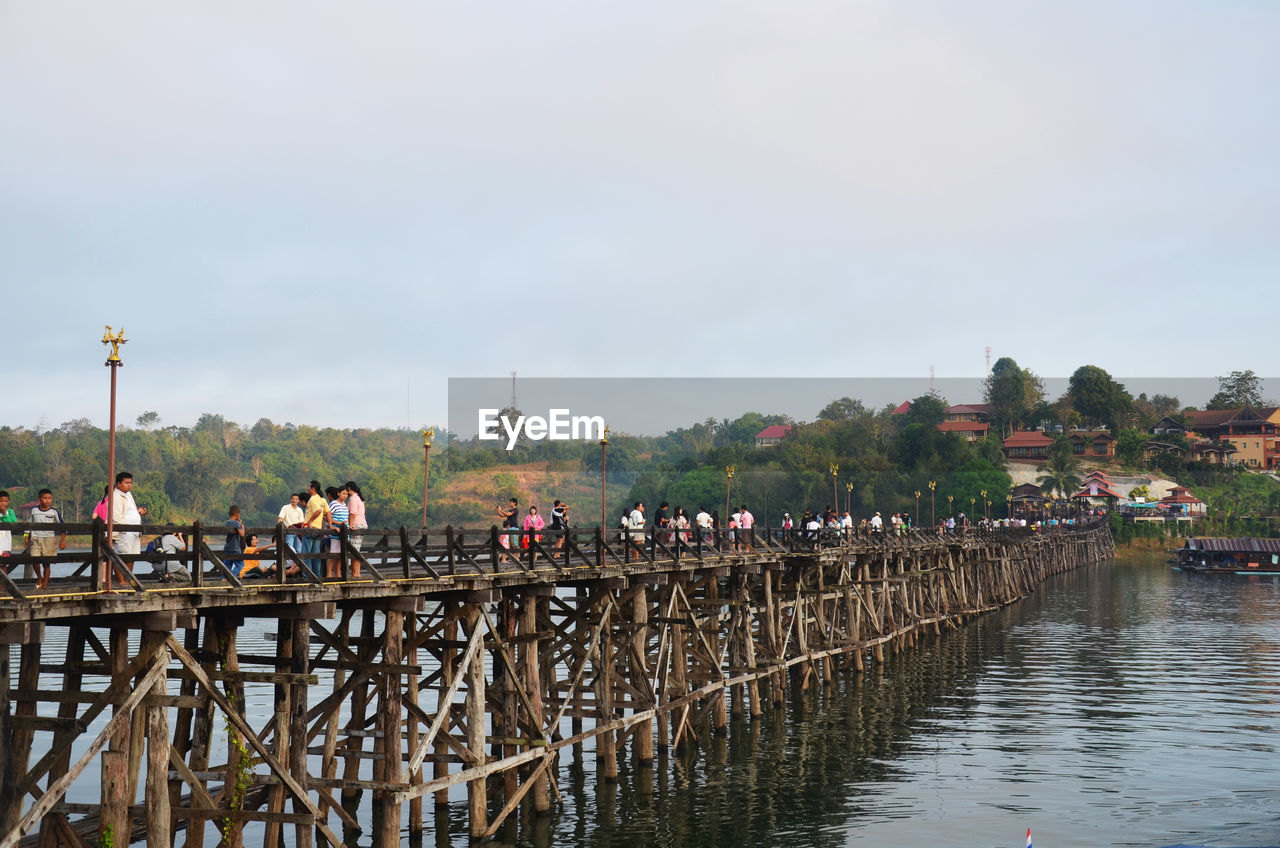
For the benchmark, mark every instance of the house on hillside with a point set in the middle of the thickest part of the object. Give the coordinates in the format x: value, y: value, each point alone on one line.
x: 1251, y: 431
x: 969, y: 412
x: 1155, y: 448
x: 1027, y: 446
x: 1168, y: 425
x: 967, y: 419
x: 772, y: 436
x: 1212, y: 452
x: 1098, y: 445
x: 971, y: 430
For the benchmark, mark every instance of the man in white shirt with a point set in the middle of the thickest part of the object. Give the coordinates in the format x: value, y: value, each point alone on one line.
x: 703, y: 521
x: 124, y: 510
x: 877, y: 523
x: 291, y: 515
x: 846, y: 525
x: 635, y: 522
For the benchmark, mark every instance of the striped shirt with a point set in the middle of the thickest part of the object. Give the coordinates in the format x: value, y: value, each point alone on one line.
x: 44, y: 516
x: 338, y: 512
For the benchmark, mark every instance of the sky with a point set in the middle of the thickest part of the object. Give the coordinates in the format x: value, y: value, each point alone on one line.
x: 319, y: 213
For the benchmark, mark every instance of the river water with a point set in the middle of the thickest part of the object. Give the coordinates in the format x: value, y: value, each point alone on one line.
x: 1120, y: 704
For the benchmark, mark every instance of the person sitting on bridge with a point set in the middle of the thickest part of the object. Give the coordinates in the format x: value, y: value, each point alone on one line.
x: 251, y: 568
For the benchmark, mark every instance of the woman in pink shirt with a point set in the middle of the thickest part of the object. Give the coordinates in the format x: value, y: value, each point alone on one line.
x: 355, y: 510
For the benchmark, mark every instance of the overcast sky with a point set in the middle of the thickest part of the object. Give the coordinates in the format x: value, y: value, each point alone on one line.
x: 319, y: 212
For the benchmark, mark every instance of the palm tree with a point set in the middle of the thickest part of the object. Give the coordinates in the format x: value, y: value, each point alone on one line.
x: 1061, y: 474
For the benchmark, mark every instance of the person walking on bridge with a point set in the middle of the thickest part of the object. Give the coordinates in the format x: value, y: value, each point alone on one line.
x: 635, y: 523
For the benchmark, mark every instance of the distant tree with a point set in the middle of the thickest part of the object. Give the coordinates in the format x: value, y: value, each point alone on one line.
x: 972, y: 479
x: 991, y: 448
x: 147, y: 420
x: 1130, y: 445
x: 76, y: 426
x: 1236, y: 390
x: 1098, y: 398
x: 929, y: 409
x: 842, y: 410
x: 1013, y: 393
x: 1166, y: 405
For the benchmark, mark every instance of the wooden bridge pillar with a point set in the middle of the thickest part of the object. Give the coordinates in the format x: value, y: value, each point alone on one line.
x: 477, y: 794
x: 237, y: 751
x: 720, y: 699
x: 531, y: 667
x: 605, y: 650
x: 411, y: 728
x: 299, y: 663
x: 390, y: 707
x: 283, y: 704
x: 114, y: 821
x: 157, y: 733
x: 357, y: 724
x: 10, y: 773
x: 448, y: 671
x: 640, y: 667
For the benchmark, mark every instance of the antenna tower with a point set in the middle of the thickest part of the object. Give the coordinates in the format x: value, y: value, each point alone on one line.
x: 513, y: 391
x: 930, y: 379
x: 988, y: 360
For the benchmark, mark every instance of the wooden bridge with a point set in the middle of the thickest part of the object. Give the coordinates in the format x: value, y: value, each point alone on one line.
x: 651, y: 641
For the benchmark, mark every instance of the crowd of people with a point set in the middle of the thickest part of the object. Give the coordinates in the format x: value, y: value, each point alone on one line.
x: 314, y: 520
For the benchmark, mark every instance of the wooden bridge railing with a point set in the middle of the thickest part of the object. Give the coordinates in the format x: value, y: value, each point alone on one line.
x: 382, y: 554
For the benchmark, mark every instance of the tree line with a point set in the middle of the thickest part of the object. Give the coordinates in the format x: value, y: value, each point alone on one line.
x: 881, y: 461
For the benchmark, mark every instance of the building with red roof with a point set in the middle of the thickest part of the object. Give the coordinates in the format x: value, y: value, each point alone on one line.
x: 1097, y: 487
x: 1253, y: 432
x: 1183, y: 501
x: 969, y: 412
x: 771, y: 436
x: 1027, y: 446
x: 1098, y: 445
x: 971, y: 430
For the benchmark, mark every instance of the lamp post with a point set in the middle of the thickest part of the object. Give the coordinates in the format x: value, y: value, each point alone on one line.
x: 427, y: 433
x: 950, y: 498
x: 915, y: 519
x: 986, y: 515
x: 933, y: 518
x: 604, y: 445
x: 835, y: 490
x: 848, y: 496
x: 1009, y: 500
x: 113, y: 362
x: 728, y: 487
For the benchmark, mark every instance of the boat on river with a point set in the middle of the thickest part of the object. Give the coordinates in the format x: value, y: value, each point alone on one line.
x: 1228, y: 556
